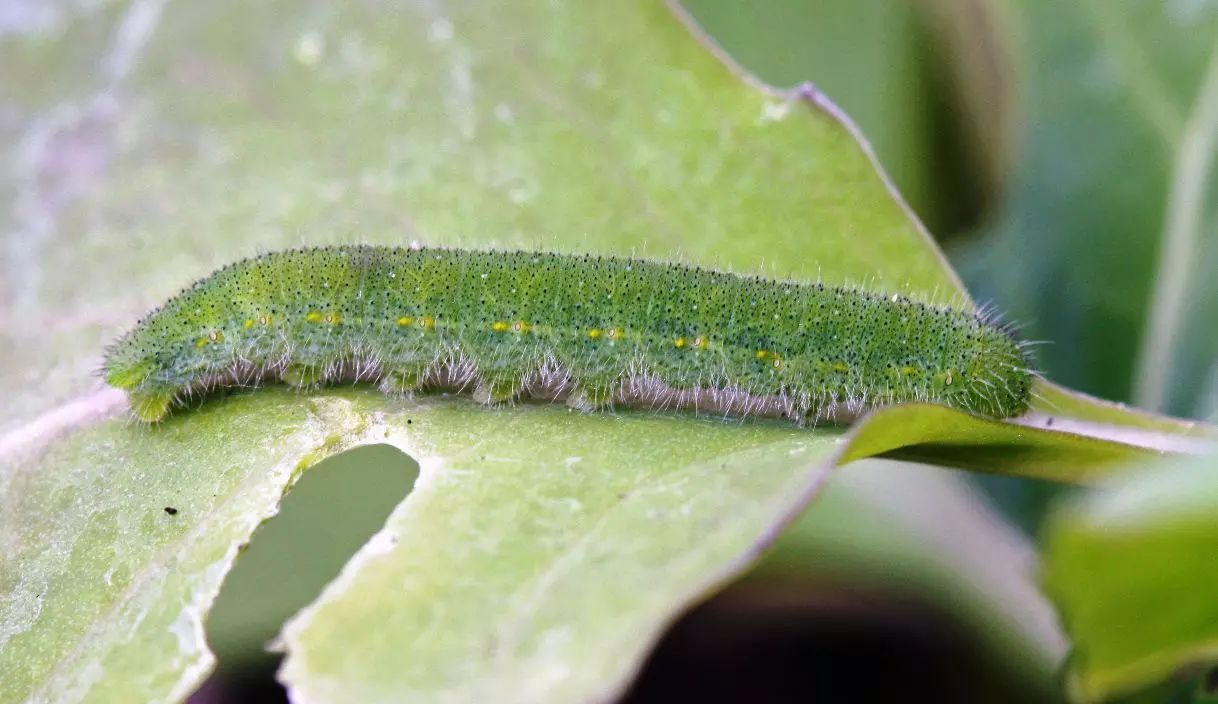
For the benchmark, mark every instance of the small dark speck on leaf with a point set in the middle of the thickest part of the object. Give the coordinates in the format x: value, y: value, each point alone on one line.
x: 408, y: 421
x: 171, y: 510
x: 1049, y: 422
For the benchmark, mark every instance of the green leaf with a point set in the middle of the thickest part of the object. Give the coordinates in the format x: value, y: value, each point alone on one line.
x: 541, y: 548
x: 116, y: 541
x: 867, y: 54
x: 563, y: 562
x: 375, y: 136
x: 1130, y: 567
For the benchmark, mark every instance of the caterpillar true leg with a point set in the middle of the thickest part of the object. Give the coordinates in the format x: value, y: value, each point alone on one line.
x: 151, y: 407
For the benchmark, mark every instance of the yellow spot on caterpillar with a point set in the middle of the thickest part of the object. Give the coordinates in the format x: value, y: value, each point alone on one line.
x: 249, y: 323
x: 840, y: 367
x: 313, y: 317
x: 213, y: 336
x: 908, y: 370
x: 405, y: 320
x: 594, y: 333
x: 499, y: 326
x: 679, y: 342
x: 427, y: 322
x: 774, y: 357
x: 615, y: 333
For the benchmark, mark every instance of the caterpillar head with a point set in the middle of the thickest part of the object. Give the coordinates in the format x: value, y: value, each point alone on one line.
x: 156, y: 360
x: 131, y: 365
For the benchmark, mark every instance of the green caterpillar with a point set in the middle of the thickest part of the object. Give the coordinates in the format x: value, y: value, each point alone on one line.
x: 591, y: 330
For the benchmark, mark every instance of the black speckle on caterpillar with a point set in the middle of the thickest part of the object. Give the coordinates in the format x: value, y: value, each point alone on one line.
x: 593, y: 331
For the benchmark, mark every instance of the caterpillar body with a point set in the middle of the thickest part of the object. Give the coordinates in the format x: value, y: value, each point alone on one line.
x: 590, y: 330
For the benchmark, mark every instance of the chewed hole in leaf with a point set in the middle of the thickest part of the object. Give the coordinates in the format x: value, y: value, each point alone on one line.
x: 331, y: 512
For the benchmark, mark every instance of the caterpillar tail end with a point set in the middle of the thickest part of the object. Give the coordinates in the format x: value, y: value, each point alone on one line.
x: 150, y: 407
